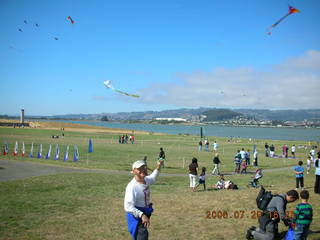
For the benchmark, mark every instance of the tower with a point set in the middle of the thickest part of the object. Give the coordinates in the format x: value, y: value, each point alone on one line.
x: 22, y: 117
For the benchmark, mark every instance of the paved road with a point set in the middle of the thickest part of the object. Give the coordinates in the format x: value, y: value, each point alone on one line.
x: 13, y: 170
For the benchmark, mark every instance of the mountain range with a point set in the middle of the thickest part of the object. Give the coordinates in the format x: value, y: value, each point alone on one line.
x: 212, y: 114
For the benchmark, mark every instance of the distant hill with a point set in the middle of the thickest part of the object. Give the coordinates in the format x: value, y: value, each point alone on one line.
x: 213, y: 114
x: 219, y: 114
x: 282, y: 115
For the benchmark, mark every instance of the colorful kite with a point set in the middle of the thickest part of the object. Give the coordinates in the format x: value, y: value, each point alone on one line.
x: 109, y: 85
x: 291, y: 11
x: 69, y: 18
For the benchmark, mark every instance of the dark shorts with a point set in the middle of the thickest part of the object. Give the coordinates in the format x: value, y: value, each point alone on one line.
x: 202, y: 181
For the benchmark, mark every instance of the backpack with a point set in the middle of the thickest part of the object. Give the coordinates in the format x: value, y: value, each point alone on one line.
x: 263, y: 198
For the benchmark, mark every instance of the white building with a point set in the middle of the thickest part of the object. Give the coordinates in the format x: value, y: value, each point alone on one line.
x: 172, y: 119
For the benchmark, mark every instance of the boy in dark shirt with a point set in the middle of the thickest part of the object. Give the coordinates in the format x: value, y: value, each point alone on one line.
x: 303, y: 217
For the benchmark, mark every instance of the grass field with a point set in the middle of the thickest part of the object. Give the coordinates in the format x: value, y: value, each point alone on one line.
x: 90, y: 205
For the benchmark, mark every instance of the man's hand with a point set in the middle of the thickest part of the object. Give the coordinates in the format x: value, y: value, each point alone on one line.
x: 159, y: 164
x: 145, y: 220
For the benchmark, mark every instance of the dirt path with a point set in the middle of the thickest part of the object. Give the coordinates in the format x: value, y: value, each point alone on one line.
x: 14, y: 170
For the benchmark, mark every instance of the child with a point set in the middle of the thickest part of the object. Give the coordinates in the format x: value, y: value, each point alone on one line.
x: 220, y: 183
x: 303, y: 217
x: 243, y: 167
x: 298, y: 170
x: 202, y: 179
x: 256, y: 177
x: 308, y: 164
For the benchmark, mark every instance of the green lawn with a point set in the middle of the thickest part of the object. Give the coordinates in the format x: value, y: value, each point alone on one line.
x: 90, y: 205
x: 109, y: 154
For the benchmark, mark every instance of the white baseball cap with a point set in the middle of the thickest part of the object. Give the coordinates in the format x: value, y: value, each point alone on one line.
x: 138, y: 164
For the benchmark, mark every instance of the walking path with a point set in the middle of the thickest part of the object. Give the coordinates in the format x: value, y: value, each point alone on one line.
x: 13, y: 170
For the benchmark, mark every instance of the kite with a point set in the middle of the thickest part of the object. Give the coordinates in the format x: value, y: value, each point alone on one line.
x: 55, y: 38
x: 291, y: 11
x: 20, y: 30
x: 25, y: 21
x: 109, y: 85
x: 69, y: 18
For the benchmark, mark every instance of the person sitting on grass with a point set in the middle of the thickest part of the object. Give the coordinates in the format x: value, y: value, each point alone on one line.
x: 220, y: 184
x: 202, y: 179
x: 223, y: 184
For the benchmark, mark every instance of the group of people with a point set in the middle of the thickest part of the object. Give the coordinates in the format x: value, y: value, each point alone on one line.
x: 242, y: 160
x: 206, y: 144
x: 195, y: 182
x: 275, y: 212
x: 138, y: 206
x: 123, y: 139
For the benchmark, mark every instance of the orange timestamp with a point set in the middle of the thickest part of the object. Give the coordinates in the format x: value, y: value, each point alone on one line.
x: 240, y: 214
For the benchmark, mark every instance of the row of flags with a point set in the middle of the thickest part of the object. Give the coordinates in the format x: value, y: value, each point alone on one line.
x: 48, y: 154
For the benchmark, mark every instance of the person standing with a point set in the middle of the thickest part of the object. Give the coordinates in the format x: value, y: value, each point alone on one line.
x: 216, y: 163
x: 317, y: 182
x: 255, y: 158
x: 293, y: 151
x: 302, y: 217
x: 244, y: 167
x: 286, y: 151
x: 243, y: 154
x: 193, y: 173
x: 247, y: 156
x: 137, y: 202
x: 207, y: 145
x: 266, y: 146
x: 308, y: 164
x: 202, y: 179
x: 272, y: 150
x: 215, y: 146
x: 237, y: 162
x: 298, y: 170
x: 200, y: 146
x: 162, y: 156
x: 312, y: 153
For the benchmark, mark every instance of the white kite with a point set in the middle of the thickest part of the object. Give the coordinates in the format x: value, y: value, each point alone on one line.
x: 109, y: 85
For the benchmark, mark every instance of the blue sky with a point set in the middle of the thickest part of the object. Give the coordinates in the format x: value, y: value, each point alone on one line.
x: 173, y: 53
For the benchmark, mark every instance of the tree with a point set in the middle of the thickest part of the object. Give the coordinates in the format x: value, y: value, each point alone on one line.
x: 104, y: 118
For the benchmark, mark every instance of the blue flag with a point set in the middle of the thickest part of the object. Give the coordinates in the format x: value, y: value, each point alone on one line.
x: 66, y: 154
x: 31, y: 151
x: 56, y: 155
x: 76, y: 154
x: 90, y: 149
x: 49, y: 152
x: 40, y: 151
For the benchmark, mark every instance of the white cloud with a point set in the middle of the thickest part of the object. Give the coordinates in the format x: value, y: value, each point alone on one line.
x: 293, y: 84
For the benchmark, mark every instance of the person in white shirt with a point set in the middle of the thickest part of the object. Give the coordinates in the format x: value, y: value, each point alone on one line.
x: 308, y: 164
x: 215, y: 146
x: 293, y: 151
x: 312, y: 153
x: 137, y: 202
x: 243, y: 154
x: 255, y: 158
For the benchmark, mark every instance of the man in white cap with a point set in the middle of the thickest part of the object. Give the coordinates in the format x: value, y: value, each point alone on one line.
x: 137, y: 199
